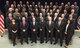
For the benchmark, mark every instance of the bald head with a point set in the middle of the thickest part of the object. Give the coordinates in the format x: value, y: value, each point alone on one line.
x: 62, y: 15
x: 56, y: 14
x: 49, y: 18
x: 10, y: 9
x: 59, y: 19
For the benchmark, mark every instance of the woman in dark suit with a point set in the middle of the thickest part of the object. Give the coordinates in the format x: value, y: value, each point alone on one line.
x: 14, y: 29
x: 68, y: 33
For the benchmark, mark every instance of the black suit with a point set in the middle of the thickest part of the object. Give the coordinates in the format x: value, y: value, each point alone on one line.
x: 24, y: 34
x: 8, y: 22
x: 66, y: 15
x: 69, y: 34
x: 18, y: 20
x: 34, y: 33
x: 49, y: 29
x: 36, y: 14
x: 44, y: 14
x: 14, y: 27
x: 30, y: 18
x: 47, y: 10
x: 42, y: 31
x: 55, y: 20
x: 59, y: 34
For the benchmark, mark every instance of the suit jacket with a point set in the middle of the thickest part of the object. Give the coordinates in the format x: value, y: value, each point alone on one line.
x: 34, y: 26
x: 75, y: 16
x: 8, y: 22
x: 42, y: 25
x: 55, y: 19
x: 69, y: 30
x: 47, y: 10
x: 44, y: 14
x: 14, y: 27
x: 66, y: 16
x: 46, y: 18
x: 50, y: 27
x: 36, y: 14
x: 24, y: 26
x: 39, y: 19
x: 61, y: 27
x: 30, y: 18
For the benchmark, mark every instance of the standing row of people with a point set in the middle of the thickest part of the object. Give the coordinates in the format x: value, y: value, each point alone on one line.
x: 51, y: 21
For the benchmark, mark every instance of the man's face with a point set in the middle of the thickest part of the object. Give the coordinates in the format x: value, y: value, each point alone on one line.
x: 32, y: 14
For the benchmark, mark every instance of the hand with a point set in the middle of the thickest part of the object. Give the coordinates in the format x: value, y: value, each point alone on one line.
x: 34, y: 30
x: 66, y: 33
x: 58, y: 30
x: 24, y: 30
x: 12, y: 31
x: 49, y: 31
x: 40, y: 29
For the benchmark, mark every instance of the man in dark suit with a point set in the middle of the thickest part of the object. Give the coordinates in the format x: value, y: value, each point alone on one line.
x: 51, y: 5
x: 39, y: 18
x: 42, y: 29
x: 44, y: 13
x: 6, y: 8
x: 8, y: 22
x: 36, y: 13
x: 51, y: 12
x: 33, y: 27
x: 17, y: 17
x: 49, y: 28
x: 55, y: 17
x: 59, y: 27
x: 24, y: 30
x: 46, y: 18
x: 68, y: 33
x: 31, y: 17
x: 66, y: 15
x: 54, y: 8
x: 27, y: 17
x: 47, y: 9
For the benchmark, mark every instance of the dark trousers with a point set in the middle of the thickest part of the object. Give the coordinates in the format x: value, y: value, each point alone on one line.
x: 24, y: 35
x: 9, y: 34
x: 34, y: 36
x: 68, y: 39
x: 60, y: 36
x: 51, y: 37
x: 41, y: 36
x: 18, y: 32
x: 14, y: 38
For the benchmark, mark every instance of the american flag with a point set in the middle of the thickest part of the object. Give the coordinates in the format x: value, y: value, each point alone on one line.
x: 2, y: 27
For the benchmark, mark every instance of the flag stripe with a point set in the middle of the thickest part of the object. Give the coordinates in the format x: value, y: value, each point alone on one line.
x: 2, y: 24
x: 1, y: 20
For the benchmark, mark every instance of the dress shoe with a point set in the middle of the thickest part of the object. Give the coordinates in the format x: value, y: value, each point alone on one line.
x: 54, y: 43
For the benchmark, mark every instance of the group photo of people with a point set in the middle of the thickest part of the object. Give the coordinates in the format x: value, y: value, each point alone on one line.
x: 48, y: 22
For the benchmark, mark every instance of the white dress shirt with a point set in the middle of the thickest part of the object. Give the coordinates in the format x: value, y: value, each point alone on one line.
x: 67, y: 27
